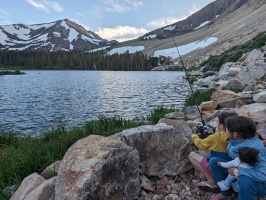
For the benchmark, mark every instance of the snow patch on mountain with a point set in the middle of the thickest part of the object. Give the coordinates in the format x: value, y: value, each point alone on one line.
x: 150, y: 37
x: 169, y: 28
x: 202, y: 24
x: 184, y: 49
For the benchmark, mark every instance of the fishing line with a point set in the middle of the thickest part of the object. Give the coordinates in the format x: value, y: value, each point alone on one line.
x: 193, y: 94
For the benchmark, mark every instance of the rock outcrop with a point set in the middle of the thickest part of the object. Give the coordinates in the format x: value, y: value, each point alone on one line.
x: 97, y: 167
x: 163, y: 150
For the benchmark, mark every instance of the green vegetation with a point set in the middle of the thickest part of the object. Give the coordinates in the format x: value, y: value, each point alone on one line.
x: 234, y: 53
x: 21, y: 156
x: 159, y: 113
x: 199, y: 97
x: 7, y: 72
x: 76, y: 60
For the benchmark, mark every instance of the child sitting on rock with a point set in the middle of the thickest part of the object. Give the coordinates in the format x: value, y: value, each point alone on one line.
x: 217, y: 145
x: 247, y: 158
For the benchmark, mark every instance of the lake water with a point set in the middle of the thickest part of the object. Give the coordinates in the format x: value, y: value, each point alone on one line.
x: 41, y: 100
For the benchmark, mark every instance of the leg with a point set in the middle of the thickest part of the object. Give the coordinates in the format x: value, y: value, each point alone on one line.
x: 229, y: 179
x: 226, y: 184
x: 196, y: 161
x: 249, y: 188
x: 219, y: 173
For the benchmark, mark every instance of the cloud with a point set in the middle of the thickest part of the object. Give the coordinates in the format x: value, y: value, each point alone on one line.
x: 120, y: 6
x: 121, y: 32
x: 4, y: 17
x: 54, y: 6
x: 4, y: 12
x: 96, y: 11
x: 194, y: 9
x: 158, y: 23
x: 81, y: 15
x: 46, y: 5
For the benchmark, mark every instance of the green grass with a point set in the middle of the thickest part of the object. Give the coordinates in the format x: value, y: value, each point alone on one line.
x: 159, y: 113
x: 21, y: 156
x: 199, y: 98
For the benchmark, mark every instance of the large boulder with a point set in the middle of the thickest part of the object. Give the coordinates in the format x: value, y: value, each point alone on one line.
x: 204, y: 82
x: 27, y: 185
x: 98, y: 168
x: 235, y: 85
x: 163, y: 150
x: 208, y: 105
x: 222, y: 95
x: 255, y: 54
x: 254, y: 71
x: 260, y: 97
x: 256, y: 111
x: 234, y: 71
x: 181, y: 125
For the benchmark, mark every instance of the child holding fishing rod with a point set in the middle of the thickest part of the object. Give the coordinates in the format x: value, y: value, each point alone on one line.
x: 217, y: 145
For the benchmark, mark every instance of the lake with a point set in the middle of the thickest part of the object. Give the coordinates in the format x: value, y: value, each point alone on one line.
x: 41, y: 100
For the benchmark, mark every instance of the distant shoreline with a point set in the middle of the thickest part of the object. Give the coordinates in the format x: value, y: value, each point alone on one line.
x: 7, y: 72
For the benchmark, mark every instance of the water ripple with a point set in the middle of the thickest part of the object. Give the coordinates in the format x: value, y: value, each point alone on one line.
x: 40, y: 100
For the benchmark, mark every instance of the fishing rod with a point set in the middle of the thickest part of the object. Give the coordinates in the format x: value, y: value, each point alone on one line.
x: 202, y: 129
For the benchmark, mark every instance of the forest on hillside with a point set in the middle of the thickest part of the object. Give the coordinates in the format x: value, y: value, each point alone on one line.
x: 76, y: 60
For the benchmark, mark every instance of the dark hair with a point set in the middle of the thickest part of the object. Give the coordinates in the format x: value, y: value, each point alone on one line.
x: 223, y: 115
x: 244, y: 126
x: 248, y: 155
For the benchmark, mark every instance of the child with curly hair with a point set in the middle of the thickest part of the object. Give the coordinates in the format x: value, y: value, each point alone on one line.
x: 247, y: 158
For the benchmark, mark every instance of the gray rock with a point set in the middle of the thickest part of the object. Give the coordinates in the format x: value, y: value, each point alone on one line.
x: 44, y: 191
x: 255, y: 70
x: 260, y: 97
x: 163, y: 150
x: 98, y: 168
x: 51, y: 170
x: 27, y: 185
x: 235, y: 85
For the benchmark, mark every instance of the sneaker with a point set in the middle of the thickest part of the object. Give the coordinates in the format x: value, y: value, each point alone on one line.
x: 222, y: 186
x: 219, y: 196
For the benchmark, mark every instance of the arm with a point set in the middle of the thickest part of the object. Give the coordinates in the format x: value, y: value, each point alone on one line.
x: 232, y: 163
x: 205, y: 144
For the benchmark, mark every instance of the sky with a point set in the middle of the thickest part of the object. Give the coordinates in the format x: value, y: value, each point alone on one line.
x: 110, y: 19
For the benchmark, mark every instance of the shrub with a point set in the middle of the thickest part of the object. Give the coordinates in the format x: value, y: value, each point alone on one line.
x: 159, y: 113
x: 199, y: 97
x: 215, y: 62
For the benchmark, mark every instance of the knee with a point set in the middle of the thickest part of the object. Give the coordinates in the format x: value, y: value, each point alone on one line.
x: 245, y: 182
x: 192, y: 156
x: 213, y: 162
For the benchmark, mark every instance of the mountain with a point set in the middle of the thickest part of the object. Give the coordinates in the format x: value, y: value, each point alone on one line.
x: 222, y: 23
x: 206, y: 16
x: 210, y: 31
x: 54, y: 36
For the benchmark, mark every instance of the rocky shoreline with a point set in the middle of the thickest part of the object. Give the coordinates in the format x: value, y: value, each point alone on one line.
x: 150, y: 162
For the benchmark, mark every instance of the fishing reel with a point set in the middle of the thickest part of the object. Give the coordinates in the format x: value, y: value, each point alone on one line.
x: 202, y: 131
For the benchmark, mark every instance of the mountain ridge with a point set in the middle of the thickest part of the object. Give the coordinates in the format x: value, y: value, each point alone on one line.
x: 231, y: 22
x: 53, y: 36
